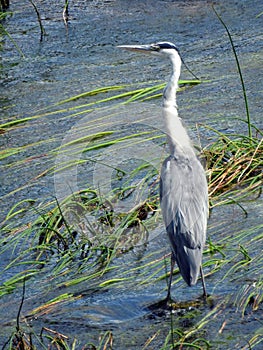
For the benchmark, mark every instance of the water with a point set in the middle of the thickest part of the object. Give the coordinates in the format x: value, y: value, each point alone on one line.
x: 83, y: 57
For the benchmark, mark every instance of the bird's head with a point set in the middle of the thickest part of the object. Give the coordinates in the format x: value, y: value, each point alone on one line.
x: 163, y: 48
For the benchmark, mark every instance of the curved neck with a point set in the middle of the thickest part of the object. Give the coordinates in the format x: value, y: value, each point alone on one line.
x: 169, y: 93
x: 177, y: 136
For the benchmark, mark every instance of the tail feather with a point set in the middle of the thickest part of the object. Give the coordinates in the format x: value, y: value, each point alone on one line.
x: 189, y: 263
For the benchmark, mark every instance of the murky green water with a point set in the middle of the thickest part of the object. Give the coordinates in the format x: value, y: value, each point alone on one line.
x: 83, y: 57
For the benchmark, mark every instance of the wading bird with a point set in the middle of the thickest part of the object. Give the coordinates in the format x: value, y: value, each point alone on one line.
x: 183, y: 184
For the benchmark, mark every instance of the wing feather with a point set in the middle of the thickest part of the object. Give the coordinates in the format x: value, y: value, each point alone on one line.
x: 184, y: 203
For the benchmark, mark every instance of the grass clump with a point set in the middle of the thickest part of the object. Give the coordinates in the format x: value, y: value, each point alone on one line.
x: 235, y: 164
x: 52, y: 339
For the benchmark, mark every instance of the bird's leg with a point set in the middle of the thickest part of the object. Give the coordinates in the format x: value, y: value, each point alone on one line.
x: 203, y: 282
x: 168, y: 298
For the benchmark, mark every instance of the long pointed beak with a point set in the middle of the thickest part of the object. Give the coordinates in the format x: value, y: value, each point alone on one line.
x: 138, y: 48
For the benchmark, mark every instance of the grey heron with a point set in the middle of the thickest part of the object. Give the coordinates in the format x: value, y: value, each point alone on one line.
x: 183, y: 184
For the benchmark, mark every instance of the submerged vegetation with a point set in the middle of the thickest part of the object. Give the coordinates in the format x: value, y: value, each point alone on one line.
x: 78, y: 240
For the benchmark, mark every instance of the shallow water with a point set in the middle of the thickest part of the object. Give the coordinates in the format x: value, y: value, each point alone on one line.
x: 84, y: 57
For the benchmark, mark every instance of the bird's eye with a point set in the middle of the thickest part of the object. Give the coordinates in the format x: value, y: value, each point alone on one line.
x: 155, y: 47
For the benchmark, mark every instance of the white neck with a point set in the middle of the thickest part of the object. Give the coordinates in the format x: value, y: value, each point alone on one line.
x: 177, y: 137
